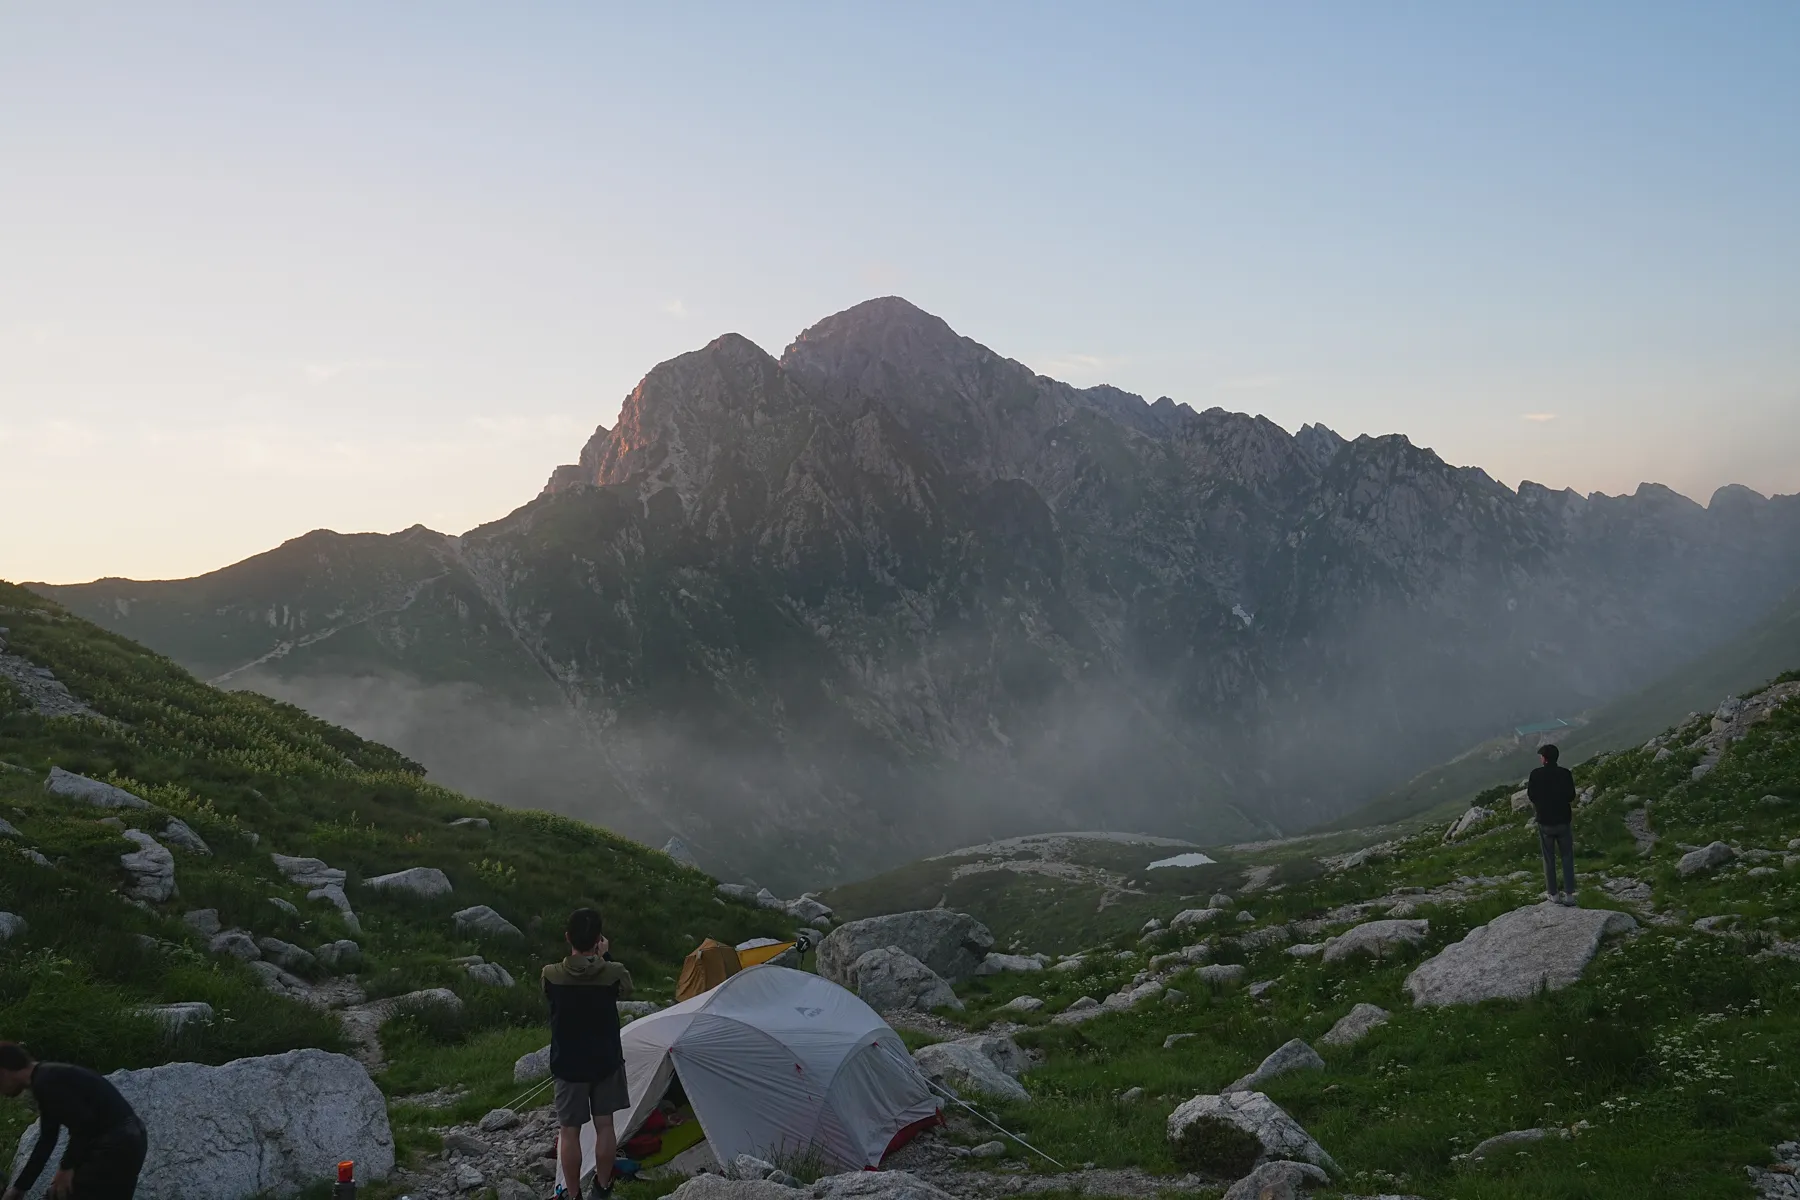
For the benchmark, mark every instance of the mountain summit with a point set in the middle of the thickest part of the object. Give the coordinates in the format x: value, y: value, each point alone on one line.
x: 894, y: 592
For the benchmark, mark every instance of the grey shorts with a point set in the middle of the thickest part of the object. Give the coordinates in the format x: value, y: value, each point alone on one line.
x: 577, y: 1103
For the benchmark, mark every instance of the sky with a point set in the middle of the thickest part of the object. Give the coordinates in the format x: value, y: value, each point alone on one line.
x: 271, y: 268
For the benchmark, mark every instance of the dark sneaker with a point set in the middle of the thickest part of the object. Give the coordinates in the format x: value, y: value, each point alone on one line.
x: 596, y: 1192
x: 1568, y: 900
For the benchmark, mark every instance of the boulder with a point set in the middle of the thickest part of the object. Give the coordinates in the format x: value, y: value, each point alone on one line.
x: 1280, y: 1180
x: 1354, y: 1025
x: 307, y: 872
x: 11, y: 926
x: 1505, y: 1141
x: 748, y: 1166
x: 807, y: 910
x: 1022, y: 1004
x: 286, y: 955
x: 333, y: 894
x: 498, y: 1119
x: 258, y: 1126
x: 678, y: 850
x: 1000, y: 1050
x: 1220, y: 973
x: 91, y: 791
x: 1292, y: 1055
x: 482, y: 921
x: 993, y: 1149
x: 631, y: 1010
x: 286, y: 906
x: 996, y: 964
x: 1174, y: 996
x: 36, y: 856
x: 1220, y: 900
x: 1259, y: 988
x: 203, y: 921
x: 470, y: 823
x: 1305, y: 950
x: 1279, y: 1135
x: 1194, y: 918
x: 1126, y: 999
x: 175, y: 1017
x: 875, y: 1185
x: 967, y: 1071
x: 737, y: 891
x: 8, y: 829
x: 152, y: 868
x: 491, y: 974
x: 767, y: 899
x: 1543, y: 946
x: 177, y: 833
x: 1475, y: 816
x: 707, y: 1186
x: 951, y: 944
x: 1131, y: 1095
x: 1175, y: 1039
x: 236, y: 943
x: 1706, y: 858
x: 282, y: 982
x: 1377, y: 938
x: 340, y: 957
x: 889, y: 980
x: 426, y: 882
x: 1192, y: 955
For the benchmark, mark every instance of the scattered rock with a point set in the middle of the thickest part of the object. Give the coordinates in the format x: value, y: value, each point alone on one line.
x: 1174, y: 996
x: 995, y: 964
x: 286, y: 906
x: 1246, y: 918
x: 738, y: 892
x: 1220, y: 973
x: 286, y: 955
x: 965, y: 1070
x: 1706, y: 858
x: 203, y: 921
x: 889, y: 979
x: 1279, y: 1180
x: 333, y: 894
x: 482, y: 921
x: 91, y: 791
x: 1193, y: 918
x: 1022, y: 1004
x: 1377, y: 938
x: 426, y: 882
x: 951, y: 944
x: 533, y: 1066
x: 1257, y: 989
x: 994, y: 1149
x: 1662, y: 755
x: 1354, y: 1025
x: 1502, y: 1141
x: 1258, y: 878
x: 1293, y: 1055
x: 342, y: 956
x: 1174, y: 1039
x: 808, y: 910
x: 498, y: 1119
x: 282, y: 982
x: 1543, y: 946
x: 1000, y: 1050
x: 1306, y: 949
x: 491, y: 974
x: 1279, y: 1135
x: 1193, y: 955
x: 631, y: 1010
x: 678, y: 850
x: 1131, y: 1095
x: 7, y: 829
x: 176, y: 1017
x: 11, y: 926
x: 35, y: 856
x: 275, y: 1125
x: 152, y: 868
x: 307, y: 872
x: 1637, y: 823
x: 1475, y: 816
x: 177, y: 833
x: 481, y: 823
x: 1220, y: 900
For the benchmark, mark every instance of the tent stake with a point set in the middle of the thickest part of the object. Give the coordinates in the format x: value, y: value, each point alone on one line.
x: 949, y: 1095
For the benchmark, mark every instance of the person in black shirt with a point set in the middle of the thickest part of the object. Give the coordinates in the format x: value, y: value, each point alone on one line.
x: 106, y: 1139
x: 1551, y: 790
x: 586, y: 1058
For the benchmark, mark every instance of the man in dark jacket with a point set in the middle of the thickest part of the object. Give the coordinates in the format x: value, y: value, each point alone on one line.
x: 586, y: 1059
x: 1552, y: 793
x: 106, y: 1139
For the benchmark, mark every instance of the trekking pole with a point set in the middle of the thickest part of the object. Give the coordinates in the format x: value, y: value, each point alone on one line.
x: 346, y: 1182
x: 949, y: 1095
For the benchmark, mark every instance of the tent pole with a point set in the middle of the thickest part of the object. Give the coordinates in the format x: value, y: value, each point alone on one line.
x: 949, y: 1095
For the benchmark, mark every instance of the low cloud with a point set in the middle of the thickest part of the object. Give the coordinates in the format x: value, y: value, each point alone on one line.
x: 1540, y: 418
x: 676, y: 309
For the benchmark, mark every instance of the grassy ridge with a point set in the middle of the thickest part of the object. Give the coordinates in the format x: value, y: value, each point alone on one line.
x: 251, y: 776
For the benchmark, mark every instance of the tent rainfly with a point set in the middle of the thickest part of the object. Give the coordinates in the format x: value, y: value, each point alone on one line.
x: 775, y: 1060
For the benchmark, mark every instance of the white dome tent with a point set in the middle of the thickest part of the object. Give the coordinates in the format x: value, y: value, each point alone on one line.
x: 776, y: 1060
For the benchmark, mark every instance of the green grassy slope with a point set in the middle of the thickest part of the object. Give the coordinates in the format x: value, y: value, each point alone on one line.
x: 1669, y: 1063
x: 1744, y: 663
x: 236, y: 767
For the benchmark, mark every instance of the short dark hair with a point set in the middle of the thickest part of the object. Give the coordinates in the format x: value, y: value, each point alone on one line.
x: 13, y: 1057
x: 1549, y: 753
x: 585, y: 928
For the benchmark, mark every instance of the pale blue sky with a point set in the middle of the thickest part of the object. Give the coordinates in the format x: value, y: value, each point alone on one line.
x: 267, y: 268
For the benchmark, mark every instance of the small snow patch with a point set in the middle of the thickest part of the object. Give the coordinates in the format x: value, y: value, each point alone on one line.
x: 1194, y: 859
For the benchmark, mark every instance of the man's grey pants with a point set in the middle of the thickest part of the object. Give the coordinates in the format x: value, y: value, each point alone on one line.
x: 1554, y: 838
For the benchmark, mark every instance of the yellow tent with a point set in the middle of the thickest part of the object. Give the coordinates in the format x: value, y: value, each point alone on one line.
x: 711, y: 964
x: 749, y: 956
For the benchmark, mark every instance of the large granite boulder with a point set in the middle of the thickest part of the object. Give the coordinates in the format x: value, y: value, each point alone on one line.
x: 968, y: 1072
x: 1380, y: 939
x: 1292, y: 1055
x: 876, y: 1185
x: 532, y: 1066
x: 287, y: 955
x: 426, y: 882
x: 307, y: 872
x: 1278, y: 1135
x: 1279, y: 1180
x: 258, y: 1126
x: 952, y: 944
x: 891, y: 980
x: 152, y: 868
x: 178, y: 833
x: 482, y: 921
x: 1355, y: 1025
x: 91, y: 791
x: 1543, y: 946
x: 333, y: 894
x: 340, y: 957
x: 1706, y: 858
x: 11, y: 926
x: 1001, y: 1050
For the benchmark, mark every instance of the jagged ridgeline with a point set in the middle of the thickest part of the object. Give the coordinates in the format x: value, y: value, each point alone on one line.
x: 95, y: 949
x: 891, y: 593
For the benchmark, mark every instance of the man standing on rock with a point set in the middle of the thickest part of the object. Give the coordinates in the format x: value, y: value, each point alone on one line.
x: 106, y: 1140
x: 586, y: 1059
x: 1551, y: 790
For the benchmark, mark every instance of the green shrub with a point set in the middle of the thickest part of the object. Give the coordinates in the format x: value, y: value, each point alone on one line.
x: 1217, y: 1147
